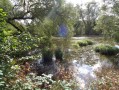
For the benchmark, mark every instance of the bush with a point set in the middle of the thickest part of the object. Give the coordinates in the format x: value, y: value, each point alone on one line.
x: 89, y: 42
x: 58, y: 54
x: 76, y: 46
x: 85, y: 42
x: 47, y: 55
x: 106, y: 49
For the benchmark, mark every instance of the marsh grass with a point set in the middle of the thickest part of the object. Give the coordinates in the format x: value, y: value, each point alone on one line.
x: 85, y: 42
x: 105, y: 49
x: 47, y: 55
x: 59, y: 54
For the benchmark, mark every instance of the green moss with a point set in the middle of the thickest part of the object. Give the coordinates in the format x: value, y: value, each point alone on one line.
x: 106, y: 49
x: 85, y: 42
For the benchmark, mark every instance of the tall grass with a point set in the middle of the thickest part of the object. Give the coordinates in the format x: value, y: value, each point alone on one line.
x: 85, y: 42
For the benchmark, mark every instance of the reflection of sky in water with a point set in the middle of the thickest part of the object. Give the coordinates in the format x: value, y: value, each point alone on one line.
x: 84, y: 74
x: 117, y: 46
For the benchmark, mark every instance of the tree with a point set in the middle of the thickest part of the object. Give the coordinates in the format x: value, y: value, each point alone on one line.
x: 6, y: 5
x: 65, y: 14
x: 108, y: 23
x: 34, y: 10
x: 88, y: 16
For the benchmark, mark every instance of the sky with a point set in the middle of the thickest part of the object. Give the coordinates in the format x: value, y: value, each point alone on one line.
x: 82, y: 1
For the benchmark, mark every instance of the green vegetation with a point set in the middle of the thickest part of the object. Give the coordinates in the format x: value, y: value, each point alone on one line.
x: 75, y: 46
x: 106, y: 49
x: 59, y: 54
x: 27, y: 29
x: 85, y: 42
x: 63, y: 85
x: 47, y: 55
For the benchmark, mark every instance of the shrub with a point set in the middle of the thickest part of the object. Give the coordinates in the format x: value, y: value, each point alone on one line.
x: 85, y: 42
x: 58, y: 54
x: 89, y: 42
x: 106, y: 49
x: 8, y: 70
x: 76, y: 46
x: 47, y: 55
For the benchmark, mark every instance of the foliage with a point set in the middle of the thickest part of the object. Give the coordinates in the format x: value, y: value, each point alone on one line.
x: 45, y: 41
x: 58, y: 54
x: 47, y: 55
x: 84, y: 42
x: 87, y: 17
x: 63, y: 85
x: 106, y: 49
x: 2, y: 24
x: 19, y: 46
x: 30, y: 82
x: 76, y: 46
x: 14, y: 77
x: 5, y: 61
x: 12, y: 47
x: 108, y: 25
x: 65, y: 15
x: 6, y: 5
x: 8, y: 71
x: 115, y: 7
x: 116, y: 37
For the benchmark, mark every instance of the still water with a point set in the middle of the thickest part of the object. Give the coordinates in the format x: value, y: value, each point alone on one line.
x: 86, y: 64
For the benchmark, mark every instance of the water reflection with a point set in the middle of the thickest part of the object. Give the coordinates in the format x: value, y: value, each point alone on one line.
x: 85, y: 62
x: 117, y: 46
x: 85, y: 74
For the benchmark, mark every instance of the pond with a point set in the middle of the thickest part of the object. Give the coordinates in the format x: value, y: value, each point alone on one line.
x: 90, y: 69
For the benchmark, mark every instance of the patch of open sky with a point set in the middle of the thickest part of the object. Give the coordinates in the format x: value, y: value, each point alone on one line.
x: 82, y: 2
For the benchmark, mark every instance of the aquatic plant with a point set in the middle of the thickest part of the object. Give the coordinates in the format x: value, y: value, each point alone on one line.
x: 106, y: 49
x: 58, y: 54
x: 75, y: 46
x: 85, y: 42
x: 47, y: 55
